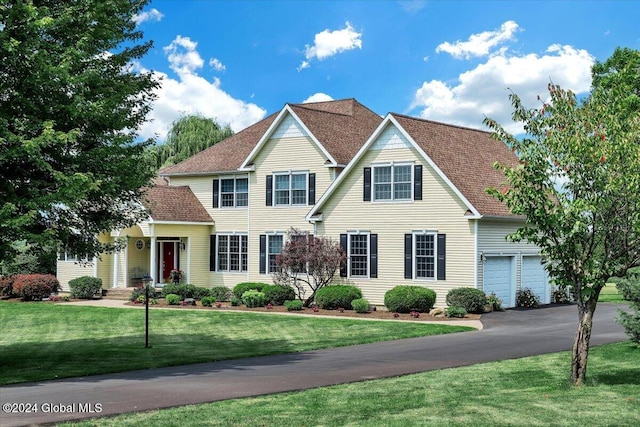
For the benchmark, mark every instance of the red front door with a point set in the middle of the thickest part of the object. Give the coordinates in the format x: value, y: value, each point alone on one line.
x: 168, y: 252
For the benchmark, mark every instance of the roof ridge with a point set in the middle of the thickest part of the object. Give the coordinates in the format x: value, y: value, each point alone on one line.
x: 307, y: 107
x: 439, y: 123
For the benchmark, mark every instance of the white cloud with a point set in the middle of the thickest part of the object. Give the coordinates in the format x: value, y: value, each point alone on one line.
x: 217, y: 65
x: 190, y: 93
x: 413, y: 6
x: 480, y: 44
x: 150, y: 15
x: 318, y: 97
x: 329, y: 43
x: 483, y: 91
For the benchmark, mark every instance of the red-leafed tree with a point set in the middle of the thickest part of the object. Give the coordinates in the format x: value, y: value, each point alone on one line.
x: 308, y: 263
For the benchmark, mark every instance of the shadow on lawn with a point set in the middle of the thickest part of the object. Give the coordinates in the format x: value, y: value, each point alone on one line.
x: 29, y: 364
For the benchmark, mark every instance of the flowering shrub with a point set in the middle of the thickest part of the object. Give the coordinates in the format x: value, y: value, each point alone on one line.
x: 493, y: 302
x: 35, y: 286
x: 561, y: 296
x: 526, y: 298
x: 139, y: 291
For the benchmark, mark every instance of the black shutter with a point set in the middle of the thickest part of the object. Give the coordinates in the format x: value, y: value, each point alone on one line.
x: 343, y: 264
x: 408, y: 256
x: 373, y: 256
x: 312, y: 189
x: 417, y: 182
x: 216, y: 193
x: 269, y: 194
x: 366, y: 196
x: 442, y: 244
x: 263, y: 254
x: 212, y: 252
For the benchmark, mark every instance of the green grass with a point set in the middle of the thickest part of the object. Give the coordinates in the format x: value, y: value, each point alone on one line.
x: 42, y: 341
x: 610, y: 294
x: 532, y: 391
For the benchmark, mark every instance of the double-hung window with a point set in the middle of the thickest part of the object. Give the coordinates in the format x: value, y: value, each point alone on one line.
x: 231, y: 192
x: 290, y: 189
x: 393, y: 182
x: 275, y: 243
x: 232, y: 252
x: 425, y: 255
x: 361, y: 248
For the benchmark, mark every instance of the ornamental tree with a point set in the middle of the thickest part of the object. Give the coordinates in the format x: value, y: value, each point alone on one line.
x: 578, y: 185
x: 308, y: 263
x: 70, y: 104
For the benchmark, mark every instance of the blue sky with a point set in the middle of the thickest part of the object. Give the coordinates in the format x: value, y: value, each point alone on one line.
x: 450, y: 61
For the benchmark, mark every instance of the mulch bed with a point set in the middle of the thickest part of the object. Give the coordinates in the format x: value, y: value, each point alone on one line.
x: 378, y: 314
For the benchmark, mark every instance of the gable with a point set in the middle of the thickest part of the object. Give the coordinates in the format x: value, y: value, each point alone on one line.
x: 289, y: 128
x: 391, y: 138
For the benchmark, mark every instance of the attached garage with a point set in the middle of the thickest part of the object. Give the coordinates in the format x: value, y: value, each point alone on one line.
x: 499, y: 278
x: 535, y: 277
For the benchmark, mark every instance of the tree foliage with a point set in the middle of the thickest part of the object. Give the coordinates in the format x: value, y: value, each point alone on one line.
x: 70, y: 104
x: 578, y: 185
x: 308, y: 263
x: 189, y: 135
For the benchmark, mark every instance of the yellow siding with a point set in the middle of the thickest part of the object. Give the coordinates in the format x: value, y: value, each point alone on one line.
x: 194, y: 259
x: 69, y: 270
x: 440, y: 211
x: 280, y: 155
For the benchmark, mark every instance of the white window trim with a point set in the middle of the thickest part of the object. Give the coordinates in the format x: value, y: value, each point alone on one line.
x: 235, y: 178
x: 290, y: 174
x: 228, y: 261
x: 415, y: 258
x: 358, y: 233
x: 392, y: 165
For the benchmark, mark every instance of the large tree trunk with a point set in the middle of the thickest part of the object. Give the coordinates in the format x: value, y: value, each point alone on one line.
x: 581, y: 342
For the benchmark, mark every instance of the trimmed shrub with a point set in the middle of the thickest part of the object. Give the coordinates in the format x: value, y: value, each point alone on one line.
x: 207, y: 301
x: 85, y: 287
x: 201, y: 292
x: 220, y: 293
x: 278, y: 294
x: 253, y: 299
x: 185, y: 291
x: 139, y: 292
x: 405, y: 298
x: 293, y: 305
x: 526, y: 298
x: 35, y: 286
x: 334, y: 296
x: 473, y: 300
x: 455, y: 311
x: 235, y: 301
x: 172, y: 299
x: 241, y: 288
x: 6, y: 286
x: 360, y: 305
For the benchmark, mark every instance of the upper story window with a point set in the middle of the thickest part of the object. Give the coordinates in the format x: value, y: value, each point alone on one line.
x: 291, y: 189
x: 393, y: 182
x: 232, y: 192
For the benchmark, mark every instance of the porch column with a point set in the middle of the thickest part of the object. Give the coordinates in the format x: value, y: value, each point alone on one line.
x: 116, y: 261
x: 153, y: 269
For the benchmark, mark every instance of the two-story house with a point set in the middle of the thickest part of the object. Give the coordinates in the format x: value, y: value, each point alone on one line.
x: 404, y: 196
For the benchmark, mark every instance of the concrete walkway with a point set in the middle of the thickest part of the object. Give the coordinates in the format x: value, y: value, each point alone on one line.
x: 506, y: 335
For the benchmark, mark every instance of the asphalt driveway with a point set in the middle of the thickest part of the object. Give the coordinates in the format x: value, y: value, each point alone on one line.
x: 506, y: 335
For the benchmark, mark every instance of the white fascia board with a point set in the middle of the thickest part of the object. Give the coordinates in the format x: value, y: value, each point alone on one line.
x: 431, y: 163
x: 347, y: 169
x: 181, y: 223
x: 265, y: 137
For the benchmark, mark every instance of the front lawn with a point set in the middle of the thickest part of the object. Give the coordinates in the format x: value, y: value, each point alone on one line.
x: 43, y: 341
x: 532, y: 391
x: 610, y: 294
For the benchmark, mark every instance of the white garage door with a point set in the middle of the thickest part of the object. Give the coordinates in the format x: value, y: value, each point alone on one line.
x: 498, y: 278
x: 535, y: 277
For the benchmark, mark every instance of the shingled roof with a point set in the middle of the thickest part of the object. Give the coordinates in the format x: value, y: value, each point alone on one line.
x: 466, y: 156
x: 175, y: 204
x: 342, y: 127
